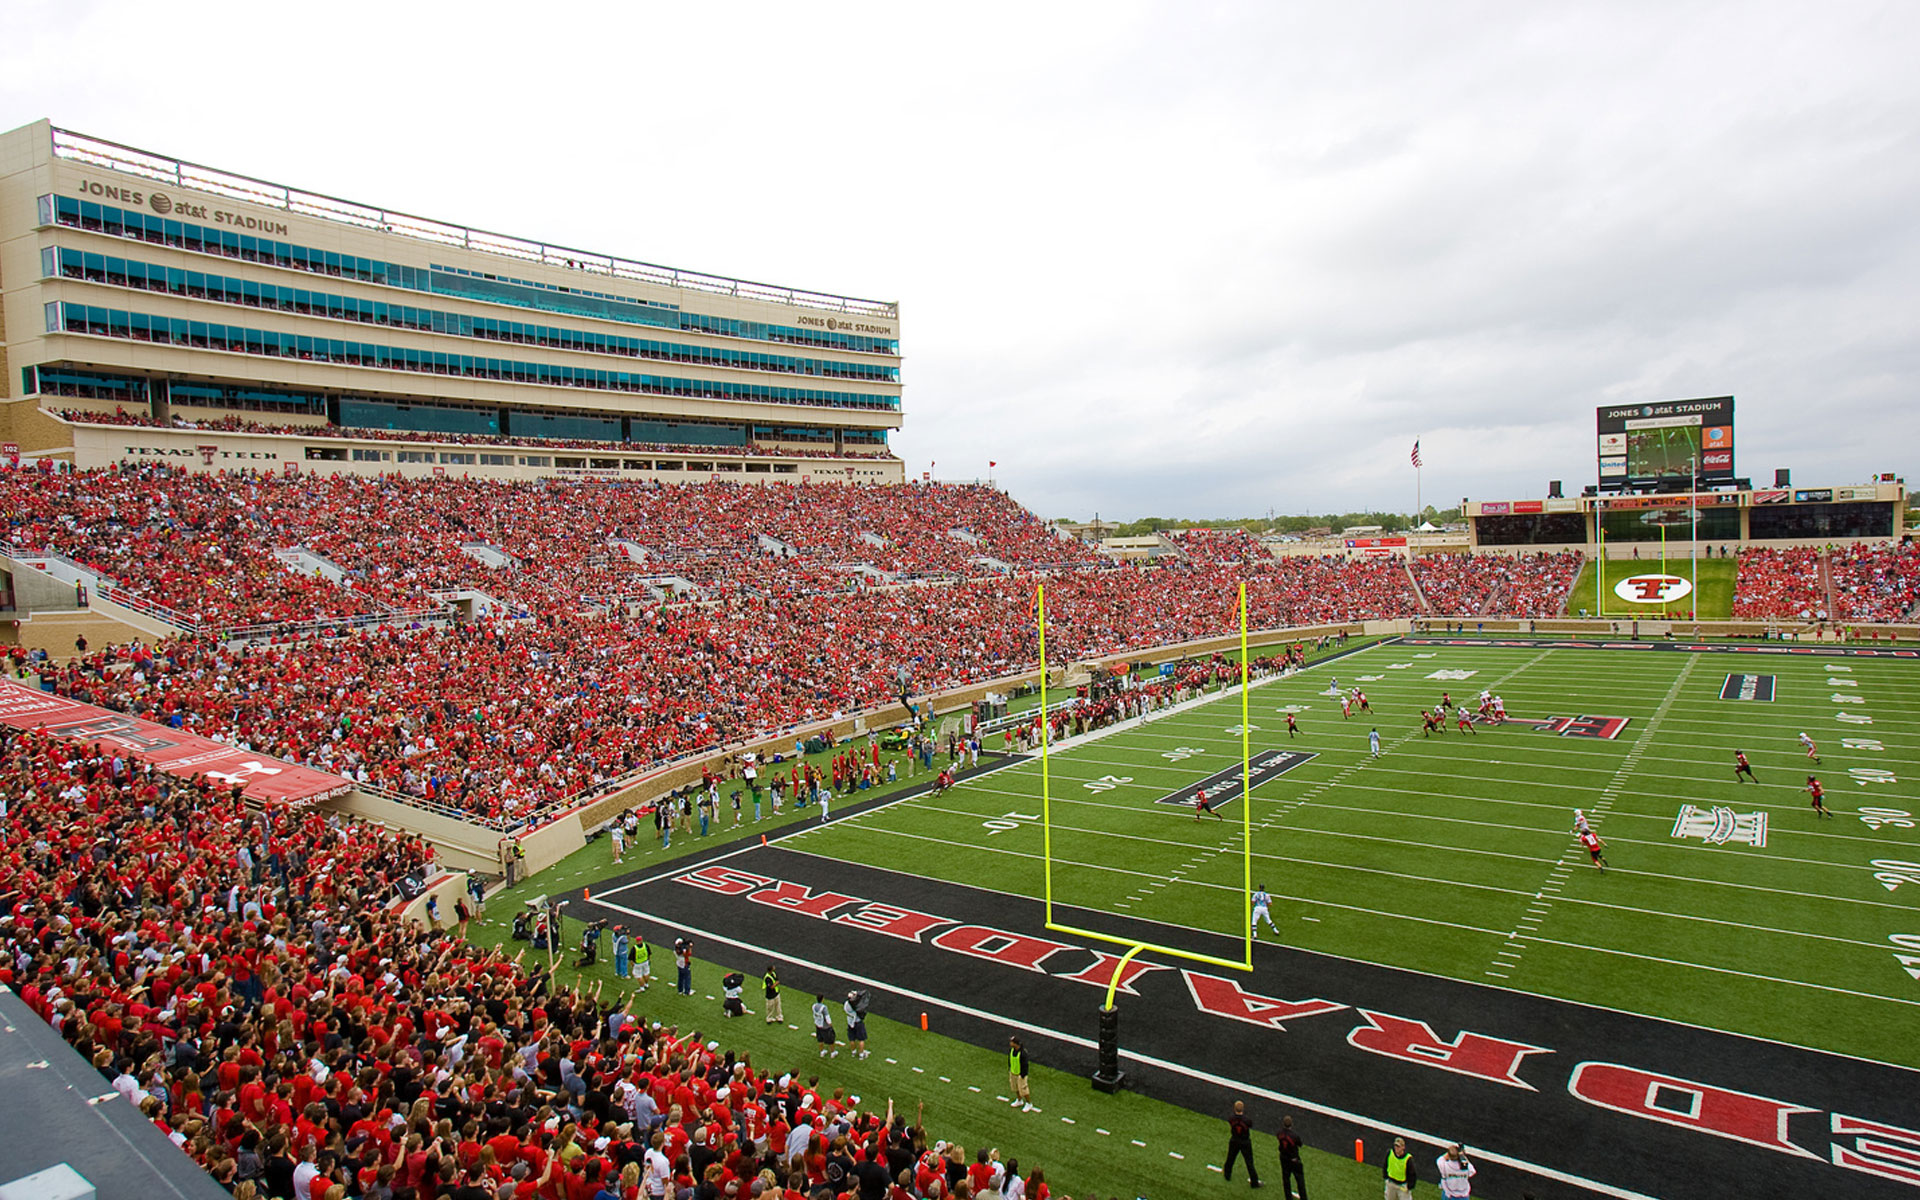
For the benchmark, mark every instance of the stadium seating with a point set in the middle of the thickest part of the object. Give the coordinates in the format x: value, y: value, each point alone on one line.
x: 1463, y: 585
x: 1778, y: 585
x: 240, y: 978
x: 1876, y: 583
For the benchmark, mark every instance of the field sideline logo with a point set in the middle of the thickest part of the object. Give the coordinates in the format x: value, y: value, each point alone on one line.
x: 1652, y: 589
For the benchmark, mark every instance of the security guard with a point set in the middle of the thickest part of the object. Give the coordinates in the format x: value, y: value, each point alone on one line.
x: 772, y: 980
x: 1398, y: 1172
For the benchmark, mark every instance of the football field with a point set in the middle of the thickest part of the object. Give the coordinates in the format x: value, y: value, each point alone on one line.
x: 1726, y: 904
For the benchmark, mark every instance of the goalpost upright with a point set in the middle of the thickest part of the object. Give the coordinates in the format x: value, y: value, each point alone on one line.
x: 1109, y: 1077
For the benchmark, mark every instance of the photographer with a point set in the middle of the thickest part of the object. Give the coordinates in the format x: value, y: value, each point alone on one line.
x: 590, y: 943
x: 683, y: 966
x: 1455, y: 1173
x: 856, y: 1007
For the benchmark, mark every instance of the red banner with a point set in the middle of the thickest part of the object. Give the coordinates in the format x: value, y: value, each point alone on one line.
x: 178, y: 753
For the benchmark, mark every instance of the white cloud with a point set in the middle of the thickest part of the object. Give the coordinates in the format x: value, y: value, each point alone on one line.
x: 1181, y: 259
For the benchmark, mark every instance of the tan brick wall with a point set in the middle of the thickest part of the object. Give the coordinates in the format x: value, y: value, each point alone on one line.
x: 55, y: 632
x: 22, y: 421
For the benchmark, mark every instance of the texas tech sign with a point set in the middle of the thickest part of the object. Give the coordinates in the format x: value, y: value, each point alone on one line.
x: 1652, y: 589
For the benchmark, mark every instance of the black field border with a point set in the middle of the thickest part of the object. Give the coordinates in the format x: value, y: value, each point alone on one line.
x: 1536, y: 1136
x: 1794, y: 650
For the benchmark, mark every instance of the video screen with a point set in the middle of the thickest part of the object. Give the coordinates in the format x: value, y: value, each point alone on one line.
x: 1644, y: 446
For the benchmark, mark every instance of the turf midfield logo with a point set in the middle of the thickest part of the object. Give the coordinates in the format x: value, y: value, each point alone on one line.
x: 1223, y: 787
x: 1719, y: 825
x: 1652, y: 589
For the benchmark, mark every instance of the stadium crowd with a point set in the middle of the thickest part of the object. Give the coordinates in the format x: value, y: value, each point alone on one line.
x: 1774, y: 584
x: 794, y: 618
x: 1464, y: 585
x: 240, y: 978
x: 1875, y: 583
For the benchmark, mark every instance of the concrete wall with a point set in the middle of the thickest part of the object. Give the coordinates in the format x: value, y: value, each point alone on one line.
x: 448, y: 887
x: 462, y: 845
x: 55, y: 632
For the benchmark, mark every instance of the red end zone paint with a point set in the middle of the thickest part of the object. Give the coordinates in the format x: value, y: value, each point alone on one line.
x: 902, y: 923
x: 1722, y: 1112
x: 1474, y: 1054
x: 994, y: 945
x: 1100, y: 974
x: 799, y: 898
x: 1884, y: 1150
x: 1225, y: 998
x: 725, y: 880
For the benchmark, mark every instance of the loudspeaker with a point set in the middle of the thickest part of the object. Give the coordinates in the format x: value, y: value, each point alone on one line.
x: 1553, y: 489
x: 1782, y: 477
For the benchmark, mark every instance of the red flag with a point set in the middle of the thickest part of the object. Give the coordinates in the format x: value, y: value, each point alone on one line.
x: 991, y: 464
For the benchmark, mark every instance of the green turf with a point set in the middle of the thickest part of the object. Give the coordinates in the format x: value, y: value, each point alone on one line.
x: 1432, y: 856
x: 913, y: 1068
x: 1429, y: 858
x: 1712, y: 596
x: 1079, y: 1159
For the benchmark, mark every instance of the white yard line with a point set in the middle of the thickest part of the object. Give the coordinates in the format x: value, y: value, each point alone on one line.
x: 1558, y: 876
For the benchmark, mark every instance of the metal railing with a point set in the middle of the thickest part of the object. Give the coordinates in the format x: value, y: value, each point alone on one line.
x: 113, y: 156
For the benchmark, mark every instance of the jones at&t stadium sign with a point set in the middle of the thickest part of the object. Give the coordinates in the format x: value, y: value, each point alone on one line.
x: 1652, y: 589
x: 168, y: 206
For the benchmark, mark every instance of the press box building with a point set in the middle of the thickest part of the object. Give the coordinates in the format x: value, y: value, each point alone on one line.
x: 155, y: 309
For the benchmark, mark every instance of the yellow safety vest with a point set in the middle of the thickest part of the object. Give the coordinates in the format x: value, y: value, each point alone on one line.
x: 1397, y: 1166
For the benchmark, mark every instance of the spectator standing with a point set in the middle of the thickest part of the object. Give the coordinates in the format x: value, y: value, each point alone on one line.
x: 1456, y: 1173
x: 823, y: 1027
x: 1292, y: 1170
x: 1017, y: 1075
x: 1240, y: 1143
x: 622, y: 952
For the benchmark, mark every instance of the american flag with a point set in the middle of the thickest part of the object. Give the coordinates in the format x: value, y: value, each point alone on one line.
x: 1416, y: 452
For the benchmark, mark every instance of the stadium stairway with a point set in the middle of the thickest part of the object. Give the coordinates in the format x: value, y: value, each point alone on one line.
x: 1426, y: 608
x: 1826, y: 584
x: 1566, y: 597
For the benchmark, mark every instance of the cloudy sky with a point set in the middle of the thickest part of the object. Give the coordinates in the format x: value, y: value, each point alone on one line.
x: 1173, y: 259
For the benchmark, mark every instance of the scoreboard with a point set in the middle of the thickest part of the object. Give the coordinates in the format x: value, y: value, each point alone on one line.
x: 1673, y: 442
